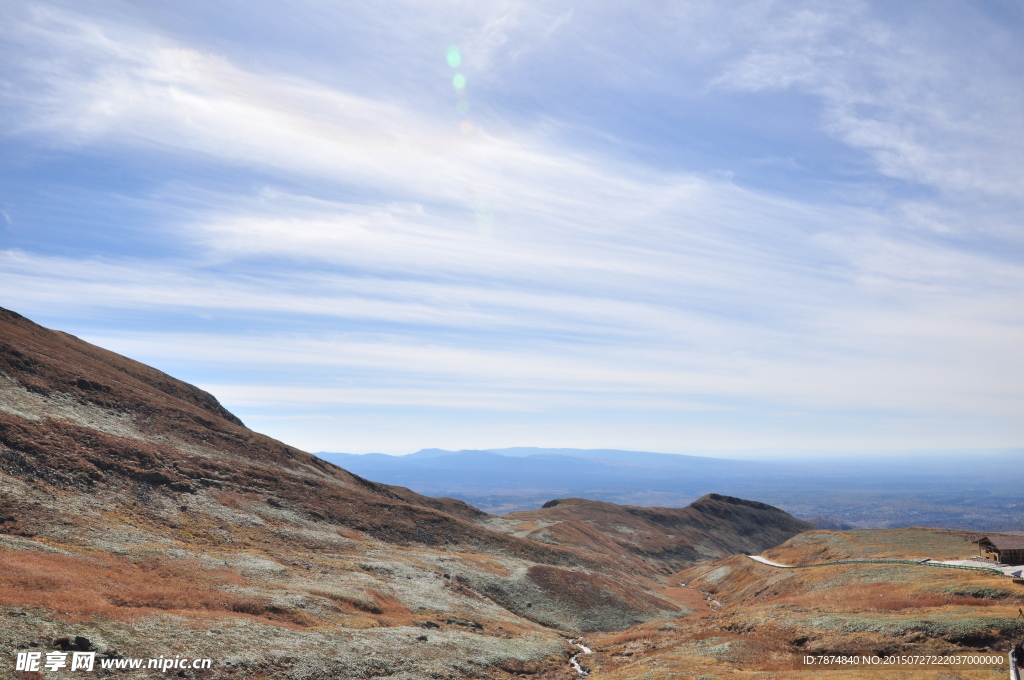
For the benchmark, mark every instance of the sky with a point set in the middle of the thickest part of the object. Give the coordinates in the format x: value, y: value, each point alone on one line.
x: 735, y: 228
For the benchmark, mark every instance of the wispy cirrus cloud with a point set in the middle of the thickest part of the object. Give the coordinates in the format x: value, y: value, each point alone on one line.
x: 362, y: 247
x: 924, y: 99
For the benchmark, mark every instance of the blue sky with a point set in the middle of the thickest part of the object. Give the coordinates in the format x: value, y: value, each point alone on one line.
x: 743, y: 227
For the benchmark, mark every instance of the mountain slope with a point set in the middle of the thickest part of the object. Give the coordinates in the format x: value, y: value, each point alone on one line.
x: 975, y: 490
x: 527, y: 477
x: 762, y: 621
x: 131, y: 501
x: 710, y: 527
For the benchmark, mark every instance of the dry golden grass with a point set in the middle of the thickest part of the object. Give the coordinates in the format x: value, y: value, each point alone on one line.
x: 360, y: 604
x: 374, y: 602
x: 233, y: 499
x: 484, y: 563
x: 527, y: 526
x: 372, y: 608
x: 389, y: 605
x: 877, y: 597
x: 915, y: 543
x: 632, y: 635
x: 771, y: 617
x: 79, y: 587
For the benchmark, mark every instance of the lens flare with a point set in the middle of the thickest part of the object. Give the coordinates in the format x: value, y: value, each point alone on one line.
x: 466, y: 126
x: 454, y: 57
x: 462, y: 107
x: 459, y: 81
x: 484, y: 218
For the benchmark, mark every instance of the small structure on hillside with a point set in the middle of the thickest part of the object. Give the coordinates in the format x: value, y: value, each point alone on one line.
x: 1002, y: 548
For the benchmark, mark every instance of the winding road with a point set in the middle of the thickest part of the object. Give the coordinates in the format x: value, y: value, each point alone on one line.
x: 971, y: 565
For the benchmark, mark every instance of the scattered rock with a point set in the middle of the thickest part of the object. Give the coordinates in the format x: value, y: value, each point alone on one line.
x: 79, y: 644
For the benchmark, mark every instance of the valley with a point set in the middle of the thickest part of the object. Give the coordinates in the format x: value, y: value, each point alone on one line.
x: 141, y: 519
x: 770, y: 619
x: 975, y: 491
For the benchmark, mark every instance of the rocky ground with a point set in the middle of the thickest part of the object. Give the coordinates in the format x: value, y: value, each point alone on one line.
x: 759, y: 621
x: 140, y: 519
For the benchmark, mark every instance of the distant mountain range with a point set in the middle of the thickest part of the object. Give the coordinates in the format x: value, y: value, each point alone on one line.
x: 550, y: 473
x: 139, y: 517
x: 127, y: 495
x: 968, y: 491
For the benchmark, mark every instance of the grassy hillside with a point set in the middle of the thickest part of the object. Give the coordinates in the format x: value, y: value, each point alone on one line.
x: 139, y: 515
x: 760, y: 621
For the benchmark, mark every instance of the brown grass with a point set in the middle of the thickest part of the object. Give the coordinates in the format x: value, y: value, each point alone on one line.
x: 369, y: 607
x: 375, y: 602
x: 631, y: 635
x: 914, y: 543
x: 80, y: 587
x: 483, y: 563
x: 590, y: 591
x: 876, y: 597
x: 233, y: 499
x: 388, y: 604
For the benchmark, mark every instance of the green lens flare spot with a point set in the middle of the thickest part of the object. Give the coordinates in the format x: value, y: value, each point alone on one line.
x: 459, y: 81
x: 462, y: 107
x: 454, y: 57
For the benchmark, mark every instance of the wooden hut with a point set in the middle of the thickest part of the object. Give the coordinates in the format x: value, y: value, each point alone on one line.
x: 1002, y: 548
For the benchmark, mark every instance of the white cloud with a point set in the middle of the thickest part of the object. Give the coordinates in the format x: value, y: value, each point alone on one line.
x: 913, y: 345
x: 504, y: 270
x: 928, y: 104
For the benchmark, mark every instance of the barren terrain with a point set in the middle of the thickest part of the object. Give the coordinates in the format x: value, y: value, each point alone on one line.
x: 139, y: 518
x: 759, y: 621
